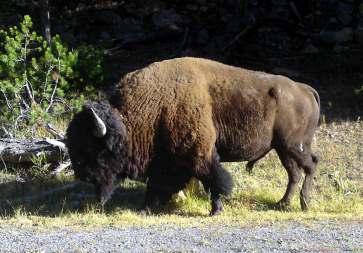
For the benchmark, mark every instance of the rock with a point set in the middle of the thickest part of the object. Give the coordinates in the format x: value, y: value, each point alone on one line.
x: 105, y: 35
x: 201, y: 2
x: 167, y: 18
x: 273, y: 38
x: 344, y: 12
x: 333, y: 37
x: 358, y: 34
x: 334, y: 33
x: 107, y: 17
x: 310, y: 49
x: 192, y: 7
x: 204, y: 9
x: 203, y: 37
x: 340, y: 48
x: 128, y: 25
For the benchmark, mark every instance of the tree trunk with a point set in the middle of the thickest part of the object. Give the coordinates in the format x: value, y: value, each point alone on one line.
x: 45, y: 16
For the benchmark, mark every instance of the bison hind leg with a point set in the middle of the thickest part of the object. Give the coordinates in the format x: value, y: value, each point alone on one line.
x: 295, y: 158
x: 307, y: 161
x: 294, y: 175
x: 310, y: 171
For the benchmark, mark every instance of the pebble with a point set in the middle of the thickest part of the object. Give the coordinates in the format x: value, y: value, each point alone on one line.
x: 279, y: 237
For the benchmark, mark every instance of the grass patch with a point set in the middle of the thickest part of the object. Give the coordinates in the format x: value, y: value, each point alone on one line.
x: 338, y: 193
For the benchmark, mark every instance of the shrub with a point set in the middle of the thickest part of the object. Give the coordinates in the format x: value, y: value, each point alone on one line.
x: 40, y: 81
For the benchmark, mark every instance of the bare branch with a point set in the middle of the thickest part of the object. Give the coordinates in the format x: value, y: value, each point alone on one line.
x: 7, y: 133
x: 7, y: 101
x: 61, y: 167
x: 3, y: 162
x: 27, y: 84
x: 54, y: 88
x: 50, y: 69
x: 53, y: 131
x: 237, y: 37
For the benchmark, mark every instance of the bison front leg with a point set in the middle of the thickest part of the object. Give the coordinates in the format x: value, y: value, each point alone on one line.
x: 220, y: 183
x: 156, y: 196
x: 105, y: 189
x: 163, y: 184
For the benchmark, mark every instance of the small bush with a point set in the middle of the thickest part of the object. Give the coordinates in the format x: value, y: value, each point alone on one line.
x: 40, y: 81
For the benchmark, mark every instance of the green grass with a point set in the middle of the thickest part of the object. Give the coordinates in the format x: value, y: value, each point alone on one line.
x: 338, y: 193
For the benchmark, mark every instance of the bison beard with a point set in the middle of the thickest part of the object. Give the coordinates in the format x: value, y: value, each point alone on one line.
x: 181, y: 118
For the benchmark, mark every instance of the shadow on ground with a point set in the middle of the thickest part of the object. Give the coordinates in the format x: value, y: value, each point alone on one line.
x: 54, y: 197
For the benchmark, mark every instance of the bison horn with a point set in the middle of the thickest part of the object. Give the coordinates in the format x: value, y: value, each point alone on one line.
x: 100, y: 129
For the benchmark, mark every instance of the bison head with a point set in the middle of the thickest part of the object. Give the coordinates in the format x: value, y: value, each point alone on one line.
x: 96, y: 141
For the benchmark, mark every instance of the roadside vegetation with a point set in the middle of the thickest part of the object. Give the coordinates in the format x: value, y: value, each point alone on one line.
x: 338, y: 193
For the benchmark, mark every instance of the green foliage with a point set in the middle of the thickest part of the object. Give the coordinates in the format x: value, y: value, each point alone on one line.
x: 40, y: 168
x: 359, y: 91
x: 36, y: 79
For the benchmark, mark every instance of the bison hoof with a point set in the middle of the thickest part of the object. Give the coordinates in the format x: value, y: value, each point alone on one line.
x: 215, y: 212
x: 249, y: 170
x: 146, y: 211
x: 304, y: 204
x: 217, y: 208
x: 283, y: 206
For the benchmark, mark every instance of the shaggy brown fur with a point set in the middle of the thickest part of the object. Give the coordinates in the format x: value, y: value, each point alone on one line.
x: 184, y: 116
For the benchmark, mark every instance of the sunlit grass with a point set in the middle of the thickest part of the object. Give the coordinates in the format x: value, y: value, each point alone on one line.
x: 338, y: 194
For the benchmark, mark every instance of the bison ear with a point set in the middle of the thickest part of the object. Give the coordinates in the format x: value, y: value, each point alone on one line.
x: 100, y: 127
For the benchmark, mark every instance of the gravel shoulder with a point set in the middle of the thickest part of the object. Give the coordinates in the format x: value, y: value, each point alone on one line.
x: 321, y: 236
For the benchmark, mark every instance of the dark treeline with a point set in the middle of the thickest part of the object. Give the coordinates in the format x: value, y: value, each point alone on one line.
x: 319, y: 42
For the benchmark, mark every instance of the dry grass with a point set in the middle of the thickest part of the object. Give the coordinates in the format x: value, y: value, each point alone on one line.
x: 338, y: 193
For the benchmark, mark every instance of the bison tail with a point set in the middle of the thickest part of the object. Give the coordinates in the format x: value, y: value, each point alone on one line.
x: 316, y: 95
x: 317, y: 98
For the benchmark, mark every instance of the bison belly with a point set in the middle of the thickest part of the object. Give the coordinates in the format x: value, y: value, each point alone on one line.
x: 245, y: 146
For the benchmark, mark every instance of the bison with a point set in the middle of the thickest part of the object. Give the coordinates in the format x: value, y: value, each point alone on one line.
x: 180, y: 118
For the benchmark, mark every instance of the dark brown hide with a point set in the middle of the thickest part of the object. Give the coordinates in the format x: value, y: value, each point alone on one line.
x: 184, y: 116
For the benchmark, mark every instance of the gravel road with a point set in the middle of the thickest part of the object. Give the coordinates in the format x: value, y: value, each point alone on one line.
x: 319, y: 236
